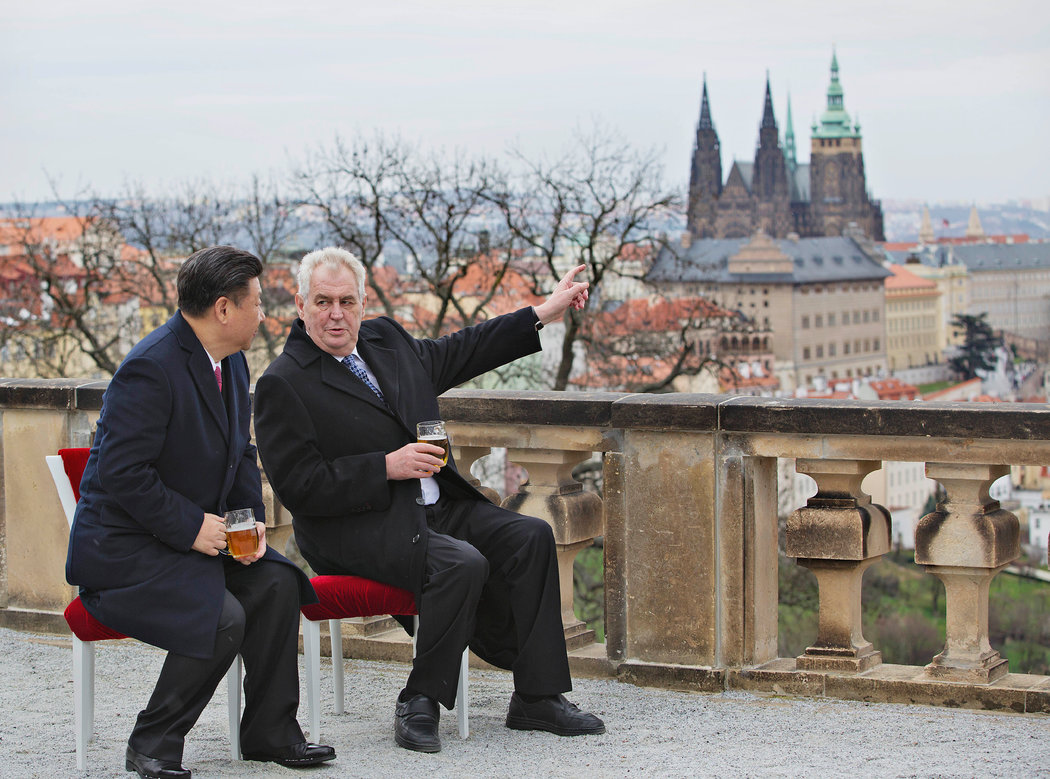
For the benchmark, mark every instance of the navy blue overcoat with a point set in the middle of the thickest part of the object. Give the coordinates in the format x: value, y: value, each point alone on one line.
x: 167, y: 449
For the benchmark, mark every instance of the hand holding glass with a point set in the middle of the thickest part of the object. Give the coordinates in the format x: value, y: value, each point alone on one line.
x: 242, y: 536
x: 433, y: 432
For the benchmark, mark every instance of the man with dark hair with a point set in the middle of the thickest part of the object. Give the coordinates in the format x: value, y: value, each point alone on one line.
x: 336, y: 418
x: 172, y: 453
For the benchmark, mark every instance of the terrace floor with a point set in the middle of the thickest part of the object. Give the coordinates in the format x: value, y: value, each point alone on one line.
x: 650, y: 732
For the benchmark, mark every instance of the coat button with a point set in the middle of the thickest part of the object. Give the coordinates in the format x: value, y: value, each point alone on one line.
x: 419, y: 501
x: 415, y: 539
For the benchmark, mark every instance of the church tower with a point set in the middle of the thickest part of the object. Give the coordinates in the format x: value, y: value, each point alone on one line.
x: 705, y: 176
x: 769, y: 183
x: 838, y: 190
x: 790, y: 154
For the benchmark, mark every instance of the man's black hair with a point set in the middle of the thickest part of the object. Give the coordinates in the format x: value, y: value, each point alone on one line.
x: 215, y: 272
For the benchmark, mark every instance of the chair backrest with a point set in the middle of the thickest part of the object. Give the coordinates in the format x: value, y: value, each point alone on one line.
x: 67, y: 468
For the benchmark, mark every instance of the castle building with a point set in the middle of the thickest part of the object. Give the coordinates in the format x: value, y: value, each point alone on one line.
x: 776, y: 194
x: 822, y: 299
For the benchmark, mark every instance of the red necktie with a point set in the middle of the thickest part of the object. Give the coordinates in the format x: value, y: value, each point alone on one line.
x: 218, y: 376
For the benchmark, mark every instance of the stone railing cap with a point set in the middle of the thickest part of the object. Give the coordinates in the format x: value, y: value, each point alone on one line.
x: 530, y: 407
x: 677, y: 411
x: 944, y: 419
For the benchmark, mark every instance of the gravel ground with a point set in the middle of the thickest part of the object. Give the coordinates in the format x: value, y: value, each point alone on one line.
x: 651, y: 732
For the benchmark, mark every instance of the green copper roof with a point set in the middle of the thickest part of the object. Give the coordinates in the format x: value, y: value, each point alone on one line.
x: 835, y: 122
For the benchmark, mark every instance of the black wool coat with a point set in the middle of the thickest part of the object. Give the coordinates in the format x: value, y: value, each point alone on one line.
x: 323, y: 437
x: 167, y: 449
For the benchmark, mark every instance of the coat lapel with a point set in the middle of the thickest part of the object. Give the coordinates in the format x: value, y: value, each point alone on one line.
x: 383, y: 363
x: 199, y: 367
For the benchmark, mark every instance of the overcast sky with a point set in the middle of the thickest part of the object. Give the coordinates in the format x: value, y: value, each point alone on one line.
x: 953, y: 97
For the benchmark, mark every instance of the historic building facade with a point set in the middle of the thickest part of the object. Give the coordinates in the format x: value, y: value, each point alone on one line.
x: 914, y: 325
x: 776, y: 194
x: 822, y: 299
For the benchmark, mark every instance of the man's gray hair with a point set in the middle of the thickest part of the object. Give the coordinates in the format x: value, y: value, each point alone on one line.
x: 333, y: 257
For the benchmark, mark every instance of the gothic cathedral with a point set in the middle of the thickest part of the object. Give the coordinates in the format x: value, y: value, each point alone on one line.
x: 775, y: 194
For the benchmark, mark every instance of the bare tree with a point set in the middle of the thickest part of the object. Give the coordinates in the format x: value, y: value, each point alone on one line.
x: 64, y: 297
x: 443, y: 215
x: 645, y: 345
x: 270, y: 223
x: 595, y: 205
x: 350, y: 186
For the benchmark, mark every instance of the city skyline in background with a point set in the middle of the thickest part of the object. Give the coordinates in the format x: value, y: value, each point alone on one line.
x: 951, y: 98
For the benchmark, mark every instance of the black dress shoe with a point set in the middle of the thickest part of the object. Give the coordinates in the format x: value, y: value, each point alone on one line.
x: 554, y: 714
x: 151, y: 768
x: 416, y: 724
x: 295, y: 756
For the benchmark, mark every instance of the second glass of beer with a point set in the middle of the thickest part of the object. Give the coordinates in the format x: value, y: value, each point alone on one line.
x: 433, y: 432
x: 242, y: 536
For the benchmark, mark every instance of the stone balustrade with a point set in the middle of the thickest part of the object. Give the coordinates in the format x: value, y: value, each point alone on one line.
x: 689, y: 519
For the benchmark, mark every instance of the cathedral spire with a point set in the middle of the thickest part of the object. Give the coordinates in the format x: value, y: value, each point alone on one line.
x: 768, y: 120
x: 790, y: 155
x: 705, y: 111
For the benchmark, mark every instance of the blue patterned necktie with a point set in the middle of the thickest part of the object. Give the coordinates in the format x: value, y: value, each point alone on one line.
x: 351, y: 362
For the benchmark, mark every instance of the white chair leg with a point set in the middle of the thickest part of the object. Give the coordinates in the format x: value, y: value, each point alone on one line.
x: 312, y: 657
x: 335, y: 631
x: 462, y: 699
x: 83, y: 697
x: 233, y: 685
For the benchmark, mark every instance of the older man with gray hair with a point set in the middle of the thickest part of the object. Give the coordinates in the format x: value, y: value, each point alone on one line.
x: 336, y: 416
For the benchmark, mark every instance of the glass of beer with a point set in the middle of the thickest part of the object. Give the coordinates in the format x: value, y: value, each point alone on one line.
x: 433, y: 432
x: 242, y: 536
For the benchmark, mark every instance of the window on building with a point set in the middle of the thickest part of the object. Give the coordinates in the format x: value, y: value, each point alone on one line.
x: 820, y: 351
x: 805, y: 352
x: 831, y: 320
x: 831, y: 350
x: 805, y: 323
x: 856, y: 317
x: 818, y: 320
x: 845, y: 347
x: 875, y: 344
x: 867, y: 317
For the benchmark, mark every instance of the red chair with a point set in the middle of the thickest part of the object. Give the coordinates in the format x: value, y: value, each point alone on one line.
x: 342, y: 597
x: 67, y: 468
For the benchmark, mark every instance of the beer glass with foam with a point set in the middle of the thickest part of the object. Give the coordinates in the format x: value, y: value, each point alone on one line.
x: 433, y: 432
x: 242, y: 536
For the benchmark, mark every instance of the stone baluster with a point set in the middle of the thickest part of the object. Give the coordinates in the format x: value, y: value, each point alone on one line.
x: 465, y: 457
x: 575, y: 515
x: 838, y: 535
x: 965, y: 543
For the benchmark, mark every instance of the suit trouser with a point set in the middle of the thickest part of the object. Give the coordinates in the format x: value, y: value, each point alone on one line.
x: 259, y: 621
x: 491, y: 581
